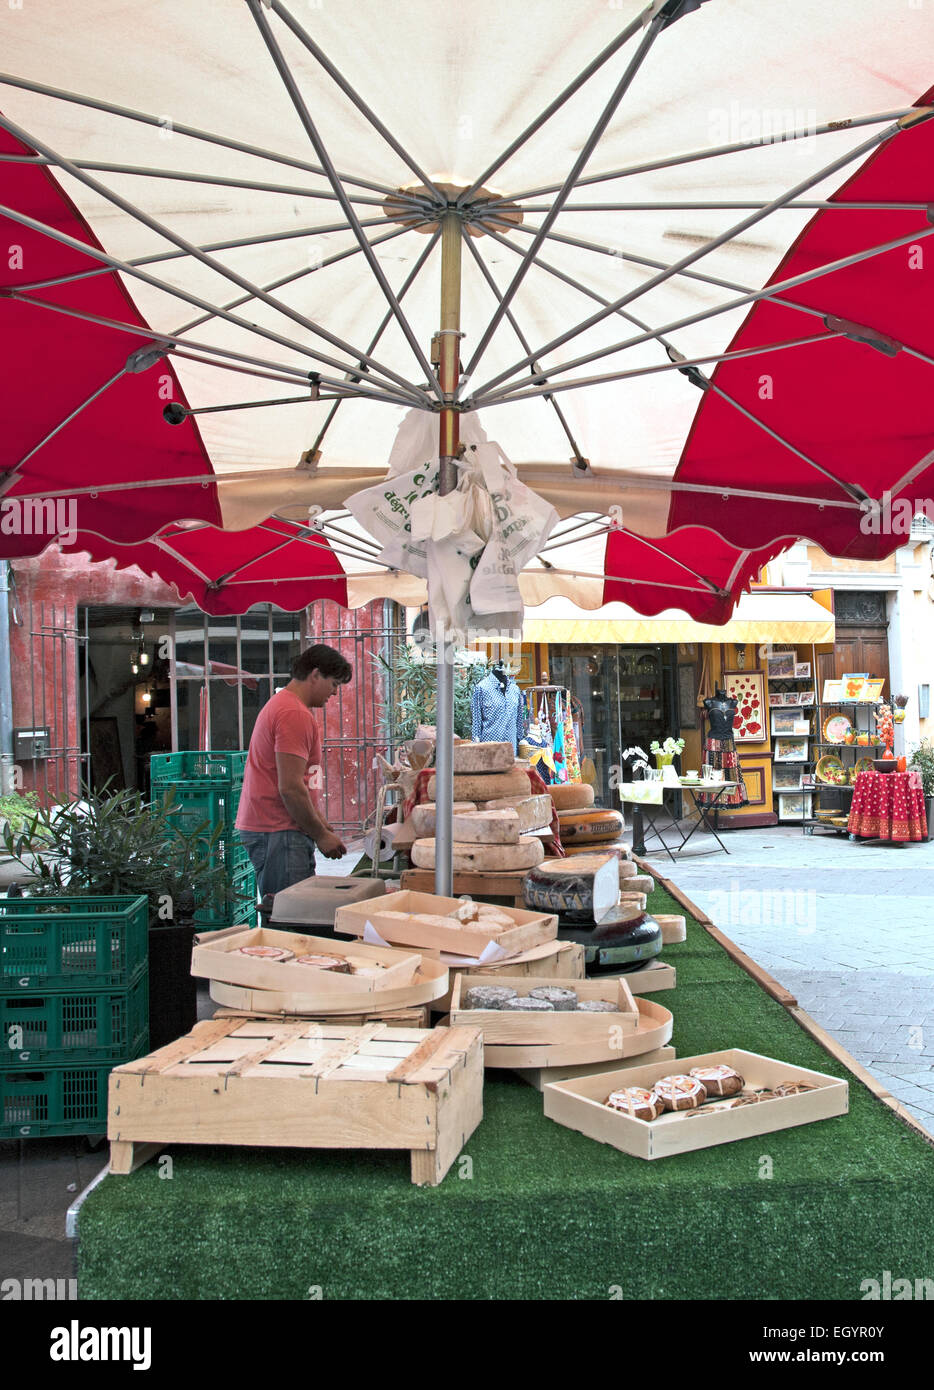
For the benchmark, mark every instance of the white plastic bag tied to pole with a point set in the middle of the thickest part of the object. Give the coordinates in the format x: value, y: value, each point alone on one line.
x: 470, y: 545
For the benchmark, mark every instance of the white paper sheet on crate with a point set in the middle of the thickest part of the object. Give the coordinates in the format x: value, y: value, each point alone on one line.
x: 489, y: 953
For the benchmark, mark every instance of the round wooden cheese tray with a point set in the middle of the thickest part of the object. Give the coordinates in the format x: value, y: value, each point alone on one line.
x: 431, y: 982
x: 654, y: 1030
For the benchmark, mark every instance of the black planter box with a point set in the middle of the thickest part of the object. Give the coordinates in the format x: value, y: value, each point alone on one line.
x: 173, y: 990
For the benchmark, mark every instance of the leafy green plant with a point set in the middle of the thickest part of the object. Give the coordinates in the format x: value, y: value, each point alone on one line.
x: 923, y: 759
x: 19, y: 809
x: 414, y: 680
x: 110, y: 844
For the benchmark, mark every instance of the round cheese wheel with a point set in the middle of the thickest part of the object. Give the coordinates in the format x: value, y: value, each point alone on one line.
x: 636, y: 1102
x: 582, y: 827
x: 719, y: 1080
x: 680, y: 1092
x: 582, y: 889
x: 571, y: 795
x: 277, y: 953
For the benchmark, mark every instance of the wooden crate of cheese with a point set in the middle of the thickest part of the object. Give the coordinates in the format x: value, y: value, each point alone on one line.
x: 551, y: 960
x: 580, y: 1104
x: 303, y: 1085
x: 263, y: 958
x: 425, y: 920
x: 429, y: 984
x: 514, y: 1038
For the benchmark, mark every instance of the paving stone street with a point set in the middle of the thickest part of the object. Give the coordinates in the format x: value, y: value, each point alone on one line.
x: 847, y: 927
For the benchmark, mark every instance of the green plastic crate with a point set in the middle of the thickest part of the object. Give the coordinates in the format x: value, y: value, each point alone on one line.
x: 41, y: 1030
x: 54, y: 1100
x: 56, y: 944
x: 167, y: 768
x: 238, y: 905
x: 214, y: 808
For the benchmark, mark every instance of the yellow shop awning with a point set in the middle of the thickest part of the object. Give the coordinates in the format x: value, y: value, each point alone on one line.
x: 758, y: 617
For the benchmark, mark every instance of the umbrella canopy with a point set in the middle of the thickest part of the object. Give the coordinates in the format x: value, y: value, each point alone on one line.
x: 290, y: 565
x: 693, y: 288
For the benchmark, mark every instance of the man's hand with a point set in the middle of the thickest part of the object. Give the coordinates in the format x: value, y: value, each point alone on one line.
x: 330, y: 845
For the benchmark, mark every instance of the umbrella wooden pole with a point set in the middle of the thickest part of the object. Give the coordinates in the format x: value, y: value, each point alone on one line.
x: 448, y: 440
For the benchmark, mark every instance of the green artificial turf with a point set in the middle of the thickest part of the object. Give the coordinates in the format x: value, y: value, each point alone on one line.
x: 541, y: 1212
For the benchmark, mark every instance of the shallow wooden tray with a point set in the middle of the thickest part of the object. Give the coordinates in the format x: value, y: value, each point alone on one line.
x: 430, y: 983
x: 552, y: 959
x: 302, y: 1085
x: 578, y: 1104
x: 510, y: 1026
x: 653, y: 1031
x: 655, y: 975
x: 531, y: 928
x: 215, y: 958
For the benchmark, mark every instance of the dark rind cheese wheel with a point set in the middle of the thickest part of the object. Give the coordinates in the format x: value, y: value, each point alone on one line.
x: 528, y: 1005
x: 582, y: 889
x: 564, y: 1000
x: 571, y: 795
x: 616, y: 947
x: 589, y: 826
x: 597, y: 1006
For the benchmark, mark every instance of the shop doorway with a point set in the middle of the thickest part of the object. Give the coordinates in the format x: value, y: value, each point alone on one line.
x: 862, y: 634
x: 627, y: 697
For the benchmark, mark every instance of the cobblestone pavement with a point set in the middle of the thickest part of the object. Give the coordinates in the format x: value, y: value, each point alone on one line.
x: 847, y: 927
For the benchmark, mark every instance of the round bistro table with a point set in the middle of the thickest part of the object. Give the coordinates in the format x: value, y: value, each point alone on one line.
x: 888, y: 806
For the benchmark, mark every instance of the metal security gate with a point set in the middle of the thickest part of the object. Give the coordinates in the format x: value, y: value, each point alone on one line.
x: 45, y: 649
x: 359, y: 722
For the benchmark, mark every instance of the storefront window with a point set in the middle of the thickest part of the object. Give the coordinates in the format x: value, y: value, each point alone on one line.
x: 627, y: 699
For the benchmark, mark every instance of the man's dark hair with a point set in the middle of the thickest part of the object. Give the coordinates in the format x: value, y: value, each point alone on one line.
x: 324, y: 659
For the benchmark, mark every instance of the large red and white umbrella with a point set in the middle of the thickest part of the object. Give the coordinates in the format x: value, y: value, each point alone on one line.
x: 675, y: 256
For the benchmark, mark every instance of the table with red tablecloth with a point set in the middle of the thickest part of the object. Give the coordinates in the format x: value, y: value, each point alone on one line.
x: 888, y: 806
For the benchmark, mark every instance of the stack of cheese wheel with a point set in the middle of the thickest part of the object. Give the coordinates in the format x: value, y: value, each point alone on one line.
x: 579, y: 821
x: 491, y: 835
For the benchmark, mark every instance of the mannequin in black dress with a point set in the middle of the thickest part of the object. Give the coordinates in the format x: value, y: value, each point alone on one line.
x: 720, y: 748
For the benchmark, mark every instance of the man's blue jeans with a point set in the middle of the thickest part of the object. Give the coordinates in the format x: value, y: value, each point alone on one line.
x: 280, y: 857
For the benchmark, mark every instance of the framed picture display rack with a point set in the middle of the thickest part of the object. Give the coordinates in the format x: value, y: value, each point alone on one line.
x: 791, y: 698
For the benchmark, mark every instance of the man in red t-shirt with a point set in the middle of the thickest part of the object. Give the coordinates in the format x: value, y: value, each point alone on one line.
x: 279, y: 819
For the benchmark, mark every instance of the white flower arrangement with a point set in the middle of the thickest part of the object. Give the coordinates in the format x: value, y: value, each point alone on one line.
x: 671, y: 747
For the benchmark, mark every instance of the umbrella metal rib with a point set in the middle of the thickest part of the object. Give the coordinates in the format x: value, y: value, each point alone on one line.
x: 291, y: 86
x: 631, y: 373
x: 209, y: 261
x: 488, y: 276
x: 653, y: 30
x: 358, y: 388
x: 336, y: 76
x: 177, y: 128
x: 564, y: 539
x: 612, y: 48
x: 818, y: 205
x: 300, y: 274
x: 186, y: 176
x: 752, y: 297
x: 712, y: 152
x: 235, y: 243
x: 387, y: 319
x: 288, y: 374
x: 418, y: 398
x: 711, y: 245
x: 8, y: 477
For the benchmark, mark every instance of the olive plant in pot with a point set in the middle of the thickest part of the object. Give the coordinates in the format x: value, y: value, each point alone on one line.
x: 111, y: 844
x: 923, y: 759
